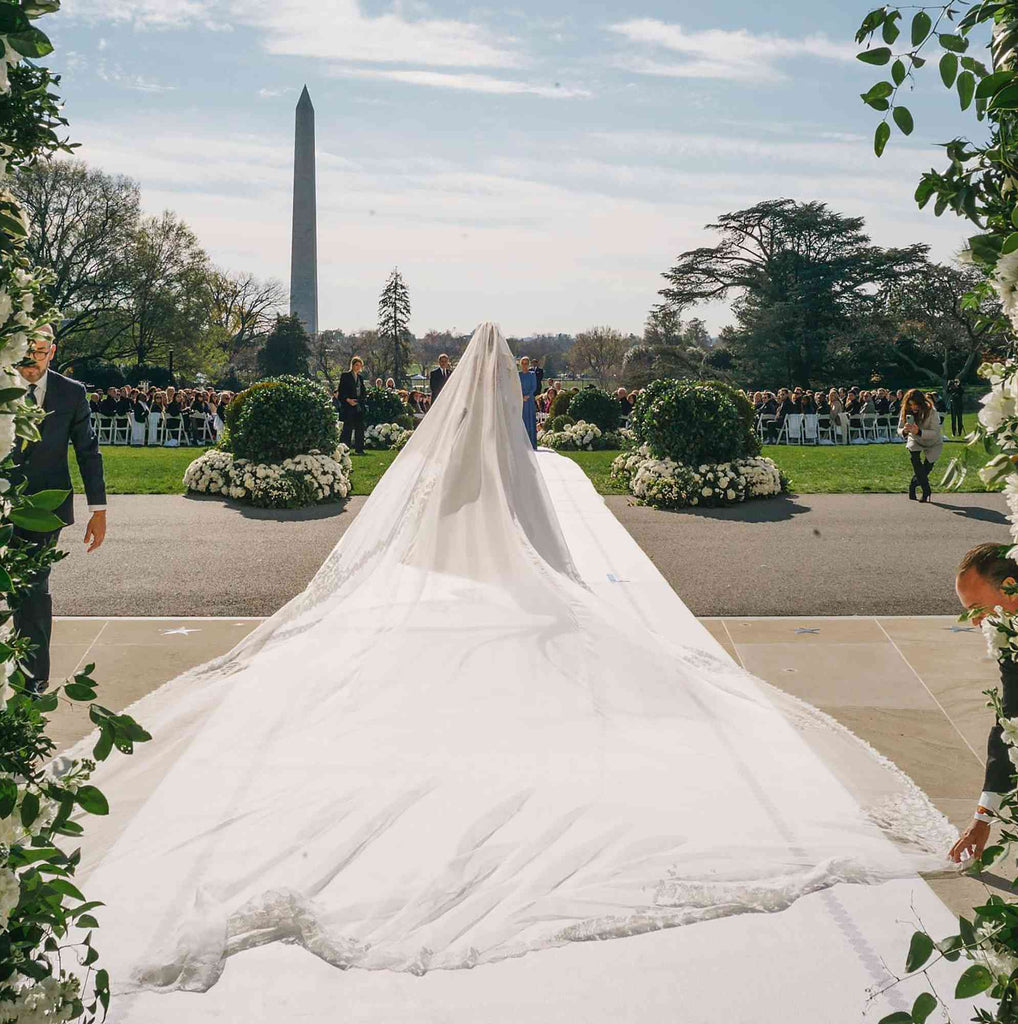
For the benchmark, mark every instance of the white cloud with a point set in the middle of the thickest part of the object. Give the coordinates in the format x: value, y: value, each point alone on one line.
x: 718, y: 53
x: 336, y: 30
x: 267, y: 94
x: 466, y: 82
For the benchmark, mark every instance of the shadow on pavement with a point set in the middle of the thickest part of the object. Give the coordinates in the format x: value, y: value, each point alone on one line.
x: 760, y: 510
x: 985, y: 515
x: 328, y: 510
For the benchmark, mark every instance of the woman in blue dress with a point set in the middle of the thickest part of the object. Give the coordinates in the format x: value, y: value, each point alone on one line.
x: 528, y: 382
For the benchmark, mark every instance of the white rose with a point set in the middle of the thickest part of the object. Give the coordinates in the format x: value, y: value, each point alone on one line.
x: 730, y: 494
x: 707, y: 492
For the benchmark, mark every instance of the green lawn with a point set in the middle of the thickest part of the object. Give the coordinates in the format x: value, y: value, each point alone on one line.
x: 842, y: 470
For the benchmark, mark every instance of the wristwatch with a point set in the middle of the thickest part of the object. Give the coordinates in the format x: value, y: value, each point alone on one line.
x: 983, y: 814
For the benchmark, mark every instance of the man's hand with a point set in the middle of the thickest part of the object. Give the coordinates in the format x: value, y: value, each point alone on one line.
x: 95, y: 532
x: 351, y: 401
x: 972, y: 841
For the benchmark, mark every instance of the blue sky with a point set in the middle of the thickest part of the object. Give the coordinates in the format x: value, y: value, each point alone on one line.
x: 539, y: 165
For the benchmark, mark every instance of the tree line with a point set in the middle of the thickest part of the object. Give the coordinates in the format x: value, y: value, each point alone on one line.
x: 813, y: 302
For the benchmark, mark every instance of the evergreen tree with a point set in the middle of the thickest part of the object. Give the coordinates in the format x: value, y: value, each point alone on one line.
x: 393, y: 327
x: 286, y: 350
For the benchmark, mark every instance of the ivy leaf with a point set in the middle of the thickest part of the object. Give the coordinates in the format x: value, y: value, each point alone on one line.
x: 924, y: 1005
x: 968, y: 935
x: 903, y: 119
x: 1006, y: 98
x: 991, y: 83
x: 13, y: 19
x: 881, y: 55
x: 6, y: 583
x: 957, y: 44
x: 901, y: 1017
x: 966, y: 88
x: 79, y: 691
x: 891, y: 30
x: 919, y: 951
x: 48, y: 501
x: 47, y: 702
x: 898, y: 72
x: 29, y: 809
x: 1010, y: 244
x: 975, y: 980
x: 61, y: 885
x: 881, y: 137
x: 30, y: 43
x: 8, y: 797
x: 35, y: 520
x: 91, y: 799
x: 921, y: 25
x: 948, y: 69
x: 104, y: 746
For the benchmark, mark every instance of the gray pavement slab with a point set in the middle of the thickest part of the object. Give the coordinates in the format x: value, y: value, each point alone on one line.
x: 822, y: 554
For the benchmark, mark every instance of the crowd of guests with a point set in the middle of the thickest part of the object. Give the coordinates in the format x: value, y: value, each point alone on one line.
x: 839, y: 403
x: 162, y: 415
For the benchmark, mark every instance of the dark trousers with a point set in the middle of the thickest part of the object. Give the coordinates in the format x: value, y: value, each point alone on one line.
x: 33, y: 617
x: 920, y: 474
x: 957, y: 422
x: 353, y: 428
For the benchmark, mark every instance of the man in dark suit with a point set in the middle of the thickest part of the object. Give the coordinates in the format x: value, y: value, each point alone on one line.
x: 43, y: 464
x: 538, y: 372
x: 984, y: 576
x: 439, y: 377
x: 352, y: 394
x: 956, y: 401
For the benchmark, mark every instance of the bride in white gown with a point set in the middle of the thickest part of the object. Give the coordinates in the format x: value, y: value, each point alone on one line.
x: 448, y: 751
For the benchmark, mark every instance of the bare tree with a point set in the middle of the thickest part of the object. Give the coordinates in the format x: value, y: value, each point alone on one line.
x: 243, y: 307
x: 601, y: 351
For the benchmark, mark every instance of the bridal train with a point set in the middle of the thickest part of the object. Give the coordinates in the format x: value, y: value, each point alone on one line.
x: 458, y: 746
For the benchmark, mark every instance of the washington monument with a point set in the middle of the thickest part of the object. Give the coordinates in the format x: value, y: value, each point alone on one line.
x: 304, y: 243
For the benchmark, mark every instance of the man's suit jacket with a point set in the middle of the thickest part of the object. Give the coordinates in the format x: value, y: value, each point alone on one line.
x: 1000, y: 772
x: 351, y: 387
x: 43, y: 463
x: 539, y: 374
x: 438, y: 379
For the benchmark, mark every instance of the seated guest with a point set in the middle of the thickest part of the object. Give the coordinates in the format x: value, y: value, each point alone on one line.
x: 852, y: 404
x: 805, y: 404
x: 93, y: 403
x: 378, y: 383
x: 770, y: 404
x: 866, y: 403
x: 108, y: 406
x: 881, y: 402
x: 390, y: 385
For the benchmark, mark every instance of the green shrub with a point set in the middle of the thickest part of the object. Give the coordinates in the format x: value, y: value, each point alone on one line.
x: 692, y: 422
x: 382, y: 406
x: 236, y: 405
x: 283, y: 417
x: 561, y: 404
x: 592, y: 405
x: 557, y: 423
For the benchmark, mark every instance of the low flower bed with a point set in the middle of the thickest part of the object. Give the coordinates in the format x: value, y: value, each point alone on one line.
x: 386, y: 437
x: 293, y: 483
x: 666, y: 484
x: 585, y: 437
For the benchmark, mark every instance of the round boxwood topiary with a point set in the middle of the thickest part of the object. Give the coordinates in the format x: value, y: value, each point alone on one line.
x: 692, y: 422
x: 282, y: 417
x: 382, y: 406
x: 592, y: 405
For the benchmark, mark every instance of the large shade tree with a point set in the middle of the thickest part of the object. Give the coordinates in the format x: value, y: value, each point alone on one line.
x: 802, y: 277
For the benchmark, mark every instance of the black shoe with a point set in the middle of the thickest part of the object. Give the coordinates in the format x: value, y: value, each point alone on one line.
x: 911, y: 492
x: 925, y: 499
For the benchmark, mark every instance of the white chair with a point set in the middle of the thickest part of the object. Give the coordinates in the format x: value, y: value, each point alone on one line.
x: 883, y: 428
x: 825, y: 430
x: 201, y: 429
x: 811, y: 429
x: 856, y: 430
x: 121, y: 430
x: 869, y: 426
x: 793, y: 428
x: 105, y: 429
x: 174, y: 434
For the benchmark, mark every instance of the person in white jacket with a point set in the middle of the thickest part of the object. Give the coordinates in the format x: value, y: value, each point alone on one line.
x: 919, y: 424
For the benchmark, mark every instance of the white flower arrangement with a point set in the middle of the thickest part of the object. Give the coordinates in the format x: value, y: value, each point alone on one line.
x: 665, y: 483
x: 326, y: 477
x: 48, y: 1001
x: 386, y: 436
x: 575, y: 437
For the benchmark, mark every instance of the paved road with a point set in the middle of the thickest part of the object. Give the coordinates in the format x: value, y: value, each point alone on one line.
x: 837, y: 554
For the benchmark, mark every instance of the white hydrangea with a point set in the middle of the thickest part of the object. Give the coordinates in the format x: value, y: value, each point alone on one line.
x: 217, y: 472
x: 580, y: 436
x: 48, y: 1001
x: 386, y: 436
x: 1005, y: 284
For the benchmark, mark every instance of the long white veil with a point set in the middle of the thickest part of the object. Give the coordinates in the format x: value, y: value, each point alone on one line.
x: 447, y: 751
